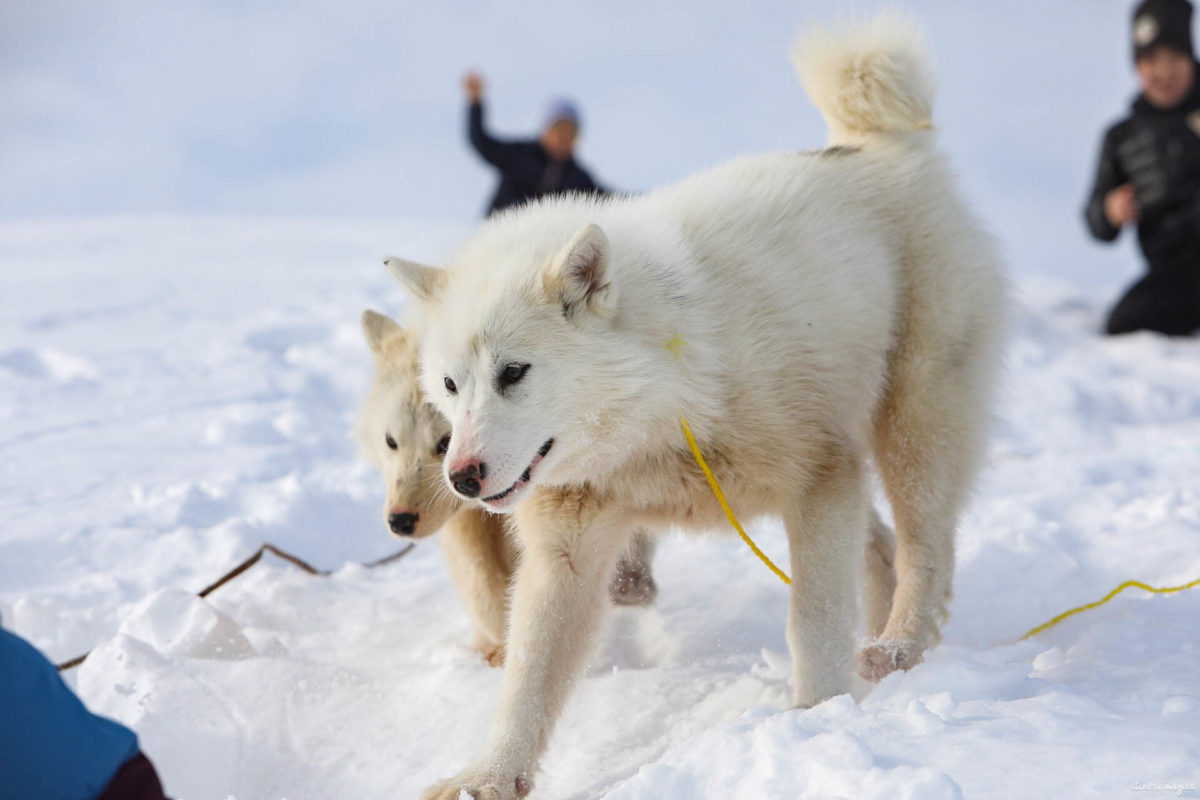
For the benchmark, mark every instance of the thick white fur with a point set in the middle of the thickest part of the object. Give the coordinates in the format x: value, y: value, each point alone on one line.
x: 482, y: 557
x: 805, y: 311
x: 873, y: 78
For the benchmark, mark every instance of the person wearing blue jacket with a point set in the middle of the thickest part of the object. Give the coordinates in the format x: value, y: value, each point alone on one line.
x: 52, y: 747
x: 529, y: 168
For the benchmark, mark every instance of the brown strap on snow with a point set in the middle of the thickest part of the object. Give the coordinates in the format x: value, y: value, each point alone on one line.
x: 254, y: 559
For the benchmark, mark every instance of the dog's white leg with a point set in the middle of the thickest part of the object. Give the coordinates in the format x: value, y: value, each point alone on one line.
x: 826, y: 530
x: 928, y: 436
x: 480, y: 559
x: 569, y: 549
x: 879, y: 575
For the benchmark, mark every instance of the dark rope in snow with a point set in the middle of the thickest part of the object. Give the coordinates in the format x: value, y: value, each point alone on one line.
x: 254, y: 559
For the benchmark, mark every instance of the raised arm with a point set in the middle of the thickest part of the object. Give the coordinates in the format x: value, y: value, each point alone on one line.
x: 497, y: 153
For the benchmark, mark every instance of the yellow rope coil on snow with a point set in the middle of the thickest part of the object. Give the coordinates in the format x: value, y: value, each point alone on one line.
x: 1045, y: 626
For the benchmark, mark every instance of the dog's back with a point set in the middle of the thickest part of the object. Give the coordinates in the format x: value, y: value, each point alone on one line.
x: 845, y: 263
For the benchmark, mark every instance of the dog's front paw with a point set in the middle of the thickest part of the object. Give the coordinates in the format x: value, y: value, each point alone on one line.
x: 885, y: 657
x: 480, y: 786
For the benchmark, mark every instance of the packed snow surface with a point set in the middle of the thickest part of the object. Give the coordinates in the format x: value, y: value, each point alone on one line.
x: 175, y: 391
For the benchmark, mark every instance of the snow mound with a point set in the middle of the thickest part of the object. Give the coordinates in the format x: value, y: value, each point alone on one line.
x: 178, y: 624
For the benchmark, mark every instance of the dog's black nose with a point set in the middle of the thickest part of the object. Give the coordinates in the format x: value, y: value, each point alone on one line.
x: 466, y: 480
x: 403, y: 524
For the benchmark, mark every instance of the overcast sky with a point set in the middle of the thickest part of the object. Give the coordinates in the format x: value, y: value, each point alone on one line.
x: 355, y: 110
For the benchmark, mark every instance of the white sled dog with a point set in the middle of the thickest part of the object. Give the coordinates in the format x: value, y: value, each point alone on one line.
x: 406, y: 439
x: 802, y: 311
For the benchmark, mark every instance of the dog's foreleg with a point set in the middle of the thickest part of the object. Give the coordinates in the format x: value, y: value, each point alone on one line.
x: 477, y: 553
x: 568, y: 554
x: 826, y: 530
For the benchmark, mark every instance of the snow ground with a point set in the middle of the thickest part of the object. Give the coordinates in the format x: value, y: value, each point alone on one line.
x: 173, y: 391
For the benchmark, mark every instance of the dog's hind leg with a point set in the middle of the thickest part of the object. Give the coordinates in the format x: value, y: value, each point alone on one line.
x: 826, y: 530
x: 928, y: 437
x: 633, y: 584
x: 879, y: 575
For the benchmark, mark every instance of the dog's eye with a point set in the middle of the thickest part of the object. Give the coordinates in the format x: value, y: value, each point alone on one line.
x: 450, y: 387
x: 443, y: 445
x: 512, y: 373
x: 391, y: 443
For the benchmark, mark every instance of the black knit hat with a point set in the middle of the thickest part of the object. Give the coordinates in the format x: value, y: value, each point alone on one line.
x: 1162, y: 22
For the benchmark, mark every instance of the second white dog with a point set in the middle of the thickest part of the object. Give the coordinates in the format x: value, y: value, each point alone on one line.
x: 406, y: 439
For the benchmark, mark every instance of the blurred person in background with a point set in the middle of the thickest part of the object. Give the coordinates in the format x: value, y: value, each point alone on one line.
x: 1149, y: 176
x: 530, y: 168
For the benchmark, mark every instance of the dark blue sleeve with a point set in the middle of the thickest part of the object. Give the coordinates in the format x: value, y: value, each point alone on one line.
x: 51, y: 747
x: 497, y: 153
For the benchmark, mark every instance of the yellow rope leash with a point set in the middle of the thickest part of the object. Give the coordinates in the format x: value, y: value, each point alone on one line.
x: 716, y: 488
x: 675, y: 346
x: 1045, y: 626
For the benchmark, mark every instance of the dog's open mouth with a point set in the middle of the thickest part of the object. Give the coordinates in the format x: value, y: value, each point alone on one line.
x: 524, y: 479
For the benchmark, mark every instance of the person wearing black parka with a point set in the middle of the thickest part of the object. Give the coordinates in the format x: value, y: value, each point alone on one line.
x: 1149, y: 176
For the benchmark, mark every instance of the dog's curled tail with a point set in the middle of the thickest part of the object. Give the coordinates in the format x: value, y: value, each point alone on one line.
x: 866, y: 78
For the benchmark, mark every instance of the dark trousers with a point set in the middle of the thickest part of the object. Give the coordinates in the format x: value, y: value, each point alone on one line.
x: 1167, y: 300
x: 135, y: 780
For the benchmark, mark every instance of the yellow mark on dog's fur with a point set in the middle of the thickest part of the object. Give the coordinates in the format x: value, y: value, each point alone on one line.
x: 675, y: 344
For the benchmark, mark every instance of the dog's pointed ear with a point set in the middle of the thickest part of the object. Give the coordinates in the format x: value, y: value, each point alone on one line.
x: 422, y: 282
x: 377, y: 327
x: 580, y: 277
